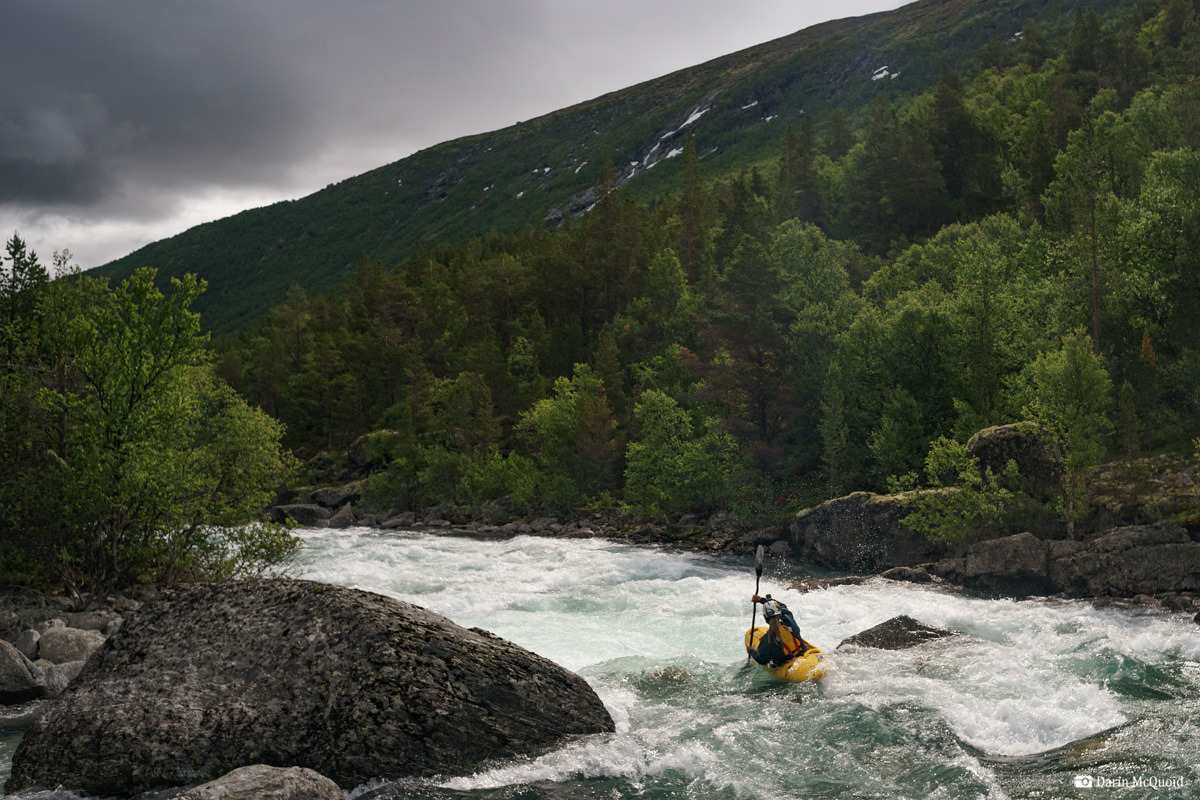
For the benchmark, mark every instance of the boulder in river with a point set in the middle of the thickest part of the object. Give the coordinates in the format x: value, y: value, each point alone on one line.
x: 209, y: 678
x: 898, y: 633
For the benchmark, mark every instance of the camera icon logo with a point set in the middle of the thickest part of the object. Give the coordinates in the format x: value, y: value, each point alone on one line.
x: 1084, y: 781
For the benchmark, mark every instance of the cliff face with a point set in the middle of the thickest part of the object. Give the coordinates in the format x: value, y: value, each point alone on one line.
x: 353, y: 685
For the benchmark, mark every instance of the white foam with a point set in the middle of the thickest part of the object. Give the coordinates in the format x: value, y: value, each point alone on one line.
x: 1031, y: 677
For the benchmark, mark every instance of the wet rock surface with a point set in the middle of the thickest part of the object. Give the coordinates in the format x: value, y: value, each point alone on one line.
x: 210, y: 678
x: 898, y: 633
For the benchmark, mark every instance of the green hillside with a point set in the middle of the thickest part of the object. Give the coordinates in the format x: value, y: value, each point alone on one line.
x: 539, y: 172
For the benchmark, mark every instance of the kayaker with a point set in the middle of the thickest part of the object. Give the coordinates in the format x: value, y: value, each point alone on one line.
x: 782, y: 641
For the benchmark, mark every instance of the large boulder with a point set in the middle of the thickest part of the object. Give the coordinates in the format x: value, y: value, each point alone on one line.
x: 261, y: 782
x: 356, y: 686
x: 862, y: 532
x: 898, y: 633
x: 60, y: 645
x: 1036, y: 455
x: 305, y: 514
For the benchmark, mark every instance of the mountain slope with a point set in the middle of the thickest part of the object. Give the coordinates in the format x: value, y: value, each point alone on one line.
x: 539, y: 171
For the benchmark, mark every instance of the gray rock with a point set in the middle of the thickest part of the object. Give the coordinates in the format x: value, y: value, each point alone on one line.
x: 344, y: 518
x: 1015, y: 564
x: 310, y: 516
x: 27, y: 643
x: 61, y: 645
x: 898, y: 633
x: 57, y: 676
x: 90, y: 620
x: 1141, y: 559
x: 20, y: 680
x: 862, y: 532
x: 405, y: 519
x: 10, y: 625
x: 356, y: 686
x: 260, y: 782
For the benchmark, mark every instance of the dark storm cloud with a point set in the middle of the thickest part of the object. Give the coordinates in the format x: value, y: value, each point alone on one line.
x: 94, y: 96
x: 123, y: 121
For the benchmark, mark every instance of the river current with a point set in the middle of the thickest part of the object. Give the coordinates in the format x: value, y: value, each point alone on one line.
x: 1041, y: 698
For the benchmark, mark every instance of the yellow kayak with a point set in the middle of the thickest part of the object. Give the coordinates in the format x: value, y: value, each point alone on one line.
x: 809, y: 666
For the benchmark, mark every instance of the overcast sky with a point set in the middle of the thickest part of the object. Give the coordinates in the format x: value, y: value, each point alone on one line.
x: 127, y: 121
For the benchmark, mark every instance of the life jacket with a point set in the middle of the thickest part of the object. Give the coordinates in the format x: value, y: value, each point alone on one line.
x: 789, y: 634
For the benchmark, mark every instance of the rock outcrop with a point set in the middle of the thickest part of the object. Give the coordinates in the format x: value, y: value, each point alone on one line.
x: 898, y: 633
x: 1120, y: 494
x: 356, y: 686
x: 1126, y: 562
x: 861, y: 532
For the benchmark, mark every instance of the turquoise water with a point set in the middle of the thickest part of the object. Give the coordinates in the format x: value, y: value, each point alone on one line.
x: 1040, y: 693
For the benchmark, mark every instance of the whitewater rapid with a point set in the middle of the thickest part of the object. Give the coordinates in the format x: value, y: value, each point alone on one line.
x: 1038, y: 693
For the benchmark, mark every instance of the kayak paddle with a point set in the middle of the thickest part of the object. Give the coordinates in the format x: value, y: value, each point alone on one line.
x: 758, y: 565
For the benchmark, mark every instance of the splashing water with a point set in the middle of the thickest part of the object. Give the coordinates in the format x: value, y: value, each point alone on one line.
x: 1039, y: 693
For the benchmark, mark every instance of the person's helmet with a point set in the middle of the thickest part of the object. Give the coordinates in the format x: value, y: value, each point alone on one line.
x: 771, y: 609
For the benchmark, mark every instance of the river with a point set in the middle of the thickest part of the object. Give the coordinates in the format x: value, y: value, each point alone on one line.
x: 1041, y: 695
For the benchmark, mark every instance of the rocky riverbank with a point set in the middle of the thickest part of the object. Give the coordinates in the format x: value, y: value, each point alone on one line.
x: 1138, y: 540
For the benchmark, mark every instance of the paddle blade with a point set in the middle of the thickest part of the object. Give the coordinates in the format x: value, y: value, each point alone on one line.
x: 758, y: 559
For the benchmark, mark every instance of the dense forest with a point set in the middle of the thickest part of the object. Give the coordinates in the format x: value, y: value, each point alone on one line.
x: 1019, y: 243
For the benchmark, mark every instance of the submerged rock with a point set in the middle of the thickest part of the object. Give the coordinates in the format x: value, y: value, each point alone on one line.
x: 898, y: 633
x: 356, y: 686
